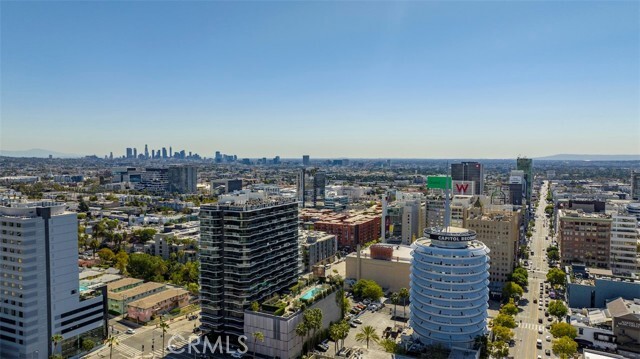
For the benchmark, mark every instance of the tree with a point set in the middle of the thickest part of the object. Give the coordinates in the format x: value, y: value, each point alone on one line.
x: 559, y: 330
x: 88, y: 344
x: 106, y: 255
x: 504, y: 320
x: 339, y: 331
x: 509, y: 308
x: 519, y: 279
x: 111, y: 342
x: 553, y: 254
x: 389, y: 345
x: 365, y: 288
x: 556, y: 277
x: 502, y: 334
x: 194, y: 289
x: 94, y: 244
x: 498, y: 349
x: 313, y: 320
x: 302, y: 330
x: 55, y: 340
x: 122, y: 260
x: 83, y: 206
x: 257, y: 336
x: 342, y: 302
x: 164, y: 326
x: 564, y: 347
x: 512, y: 290
x: 395, y: 299
x: 255, y: 306
x: 403, y: 294
x: 557, y: 309
x: 366, y: 334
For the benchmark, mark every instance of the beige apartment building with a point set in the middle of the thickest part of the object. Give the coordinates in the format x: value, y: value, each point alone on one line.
x: 498, y: 230
x: 584, y: 238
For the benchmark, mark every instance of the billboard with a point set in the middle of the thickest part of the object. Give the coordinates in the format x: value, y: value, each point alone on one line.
x: 463, y: 187
x: 441, y: 182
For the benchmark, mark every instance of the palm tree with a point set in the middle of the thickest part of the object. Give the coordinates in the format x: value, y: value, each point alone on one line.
x: 395, y: 299
x: 164, y: 326
x: 111, y: 342
x: 56, y: 339
x: 257, y: 336
x: 302, y: 330
x: 313, y: 319
x: 94, y: 244
x: 404, y: 294
x: 367, y: 334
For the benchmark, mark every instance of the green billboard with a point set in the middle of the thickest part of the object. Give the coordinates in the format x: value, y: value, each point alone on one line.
x: 442, y: 182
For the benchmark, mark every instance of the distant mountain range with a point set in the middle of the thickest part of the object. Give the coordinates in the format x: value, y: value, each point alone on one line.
x: 38, y: 153
x: 569, y: 157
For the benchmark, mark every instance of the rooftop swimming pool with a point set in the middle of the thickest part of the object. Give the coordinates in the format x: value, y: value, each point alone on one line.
x: 311, y: 293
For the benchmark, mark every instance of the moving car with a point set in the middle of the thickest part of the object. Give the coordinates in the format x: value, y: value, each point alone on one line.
x: 131, y: 331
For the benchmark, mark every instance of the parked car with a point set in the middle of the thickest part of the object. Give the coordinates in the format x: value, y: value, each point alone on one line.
x: 547, y: 352
x: 236, y: 355
x: 131, y: 331
x: 357, y: 321
x: 547, y: 338
x: 353, y: 325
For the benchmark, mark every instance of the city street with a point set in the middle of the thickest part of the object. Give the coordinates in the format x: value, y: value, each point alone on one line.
x: 139, y: 345
x: 528, y: 328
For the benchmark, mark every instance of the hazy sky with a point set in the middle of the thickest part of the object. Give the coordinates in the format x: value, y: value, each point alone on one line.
x: 329, y: 79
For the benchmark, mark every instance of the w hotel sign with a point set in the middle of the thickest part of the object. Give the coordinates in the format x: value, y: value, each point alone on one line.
x: 463, y: 187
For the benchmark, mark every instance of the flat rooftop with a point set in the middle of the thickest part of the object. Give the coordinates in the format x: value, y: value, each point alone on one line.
x: 135, y: 291
x: 154, y: 299
x: 114, y: 286
x: 401, y: 252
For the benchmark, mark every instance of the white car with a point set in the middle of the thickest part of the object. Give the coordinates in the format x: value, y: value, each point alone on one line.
x: 547, y: 338
x: 236, y: 355
x: 540, y: 330
x: 172, y: 347
x: 357, y: 321
x: 131, y: 331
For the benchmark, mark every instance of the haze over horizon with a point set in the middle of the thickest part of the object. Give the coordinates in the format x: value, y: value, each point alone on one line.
x: 356, y: 80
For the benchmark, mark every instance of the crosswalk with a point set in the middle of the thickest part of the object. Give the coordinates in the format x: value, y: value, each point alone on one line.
x: 531, y: 326
x: 134, y: 353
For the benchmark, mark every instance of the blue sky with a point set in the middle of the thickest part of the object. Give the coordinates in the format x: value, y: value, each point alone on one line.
x: 329, y: 79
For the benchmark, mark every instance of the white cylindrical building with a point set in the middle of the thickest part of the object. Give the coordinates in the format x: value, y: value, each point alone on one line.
x: 449, y: 287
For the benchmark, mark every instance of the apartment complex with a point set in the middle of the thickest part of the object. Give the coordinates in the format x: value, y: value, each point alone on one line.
x: 498, y: 230
x: 635, y: 185
x: 39, y: 287
x: 317, y: 248
x: 584, y: 238
x: 248, y: 252
x: 350, y: 229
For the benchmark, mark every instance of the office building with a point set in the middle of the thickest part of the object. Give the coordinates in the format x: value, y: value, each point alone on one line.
x: 182, y: 179
x: 498, y: 230
x: 129, y: 152
x: 146, y: 152
x: 449, y: 287
x: 40, y: 289
x: 625, y: 236
x: 594, y: 287
x: 248, y: 252
x: 226, y: 186
x: 305, y: 160
x: 526, y: 166
x: 584, y: 238
x: 469, y: 171
x: 434, y: 207
x: 635, y: 185
x: 407, y: 220
x: 311, y: 187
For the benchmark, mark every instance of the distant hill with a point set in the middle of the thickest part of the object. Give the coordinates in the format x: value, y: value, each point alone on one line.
x: 568, y: 157
x: 37, y: 152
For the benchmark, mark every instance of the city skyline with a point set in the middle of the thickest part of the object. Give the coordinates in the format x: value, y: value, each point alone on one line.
x: 399, y: 80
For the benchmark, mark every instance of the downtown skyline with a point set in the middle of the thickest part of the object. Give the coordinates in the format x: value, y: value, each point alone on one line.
x: 382, y: 80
